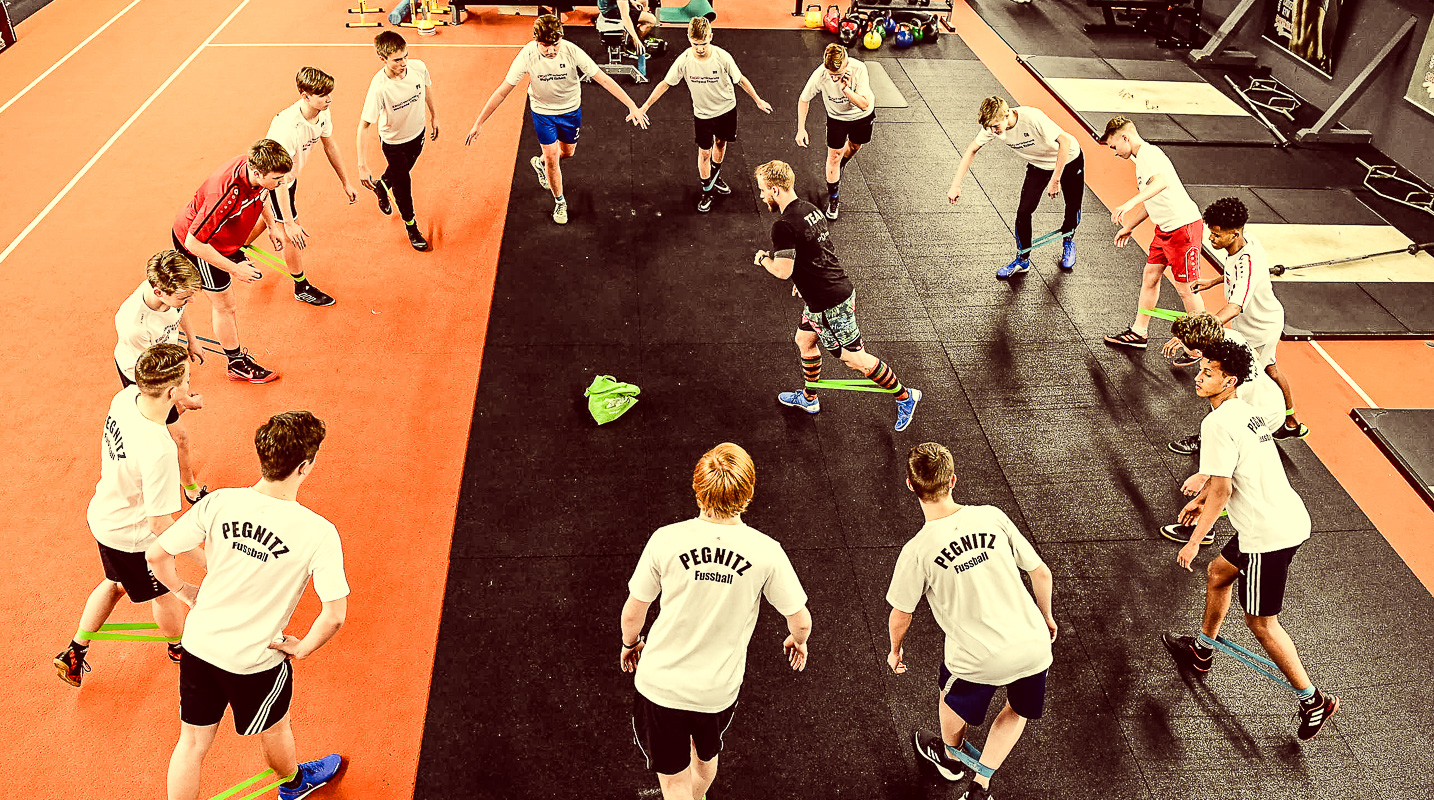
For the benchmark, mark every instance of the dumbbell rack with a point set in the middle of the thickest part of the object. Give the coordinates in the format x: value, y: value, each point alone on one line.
x: 937, y: 7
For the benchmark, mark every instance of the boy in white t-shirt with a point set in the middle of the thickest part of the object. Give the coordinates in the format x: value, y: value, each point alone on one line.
x: 1175, y: 250
x: 134, y: 501
x: 150, y: 316
x: 1250, y: 303
x: 262, y: 547
x: 1240, y: 468
x: 400, y: 95
x: 298, y: 128
x: 555, y: 68
x: 966, y: 562
x: 710, y: 73
x: 850, y: 103
x: 712, y: 573
x: 1054, y: 163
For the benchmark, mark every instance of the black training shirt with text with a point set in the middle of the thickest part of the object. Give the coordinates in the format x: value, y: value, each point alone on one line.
x: 818, y: 275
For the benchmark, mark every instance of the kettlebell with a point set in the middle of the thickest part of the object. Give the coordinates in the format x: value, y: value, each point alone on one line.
x: 814, y: 16
x: 917, y: 34
x: 889, y: 24
x: 872, y: 39
x: 832, y: 20
x: 850, y: 29
x: 904, y: 37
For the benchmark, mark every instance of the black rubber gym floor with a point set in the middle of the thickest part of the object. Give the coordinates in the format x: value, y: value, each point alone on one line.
x: 1063, y: 433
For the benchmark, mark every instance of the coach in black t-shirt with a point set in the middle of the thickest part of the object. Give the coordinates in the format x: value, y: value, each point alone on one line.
x: 802, y: 250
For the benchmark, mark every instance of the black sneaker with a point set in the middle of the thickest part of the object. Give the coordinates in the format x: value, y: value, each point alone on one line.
x: 1183, y: 649
x: 977, y: 791
x: 244, y: 368
x: 1181, y: 534
x: 1186, y: 359
x: 832, y: 209
x: 930, y: 747
x: 415, y: 238
x: 197, y: 496
x: 176, y: 651
x: 382, y: 192
x: 314, y: 296
x: 721, y: 187
x: 1300, y: 431
x: 704, y: 204
x: 71, y: 666
x: 1128, y: 338
x: 1188, y: 446
x: 1312, y: 718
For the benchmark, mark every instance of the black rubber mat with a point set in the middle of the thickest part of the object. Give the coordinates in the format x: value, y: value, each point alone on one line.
x: 1357, y: 310
x: 1406, y: 435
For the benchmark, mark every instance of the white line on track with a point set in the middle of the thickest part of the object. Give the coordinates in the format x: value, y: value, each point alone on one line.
x: 115, y: 137
x: 1343, y: 374
x: 412, y: 45
x: 66, y: 57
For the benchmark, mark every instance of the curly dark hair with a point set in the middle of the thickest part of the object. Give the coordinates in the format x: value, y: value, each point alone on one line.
x: 1227, y: 213
x: 1235, y: 359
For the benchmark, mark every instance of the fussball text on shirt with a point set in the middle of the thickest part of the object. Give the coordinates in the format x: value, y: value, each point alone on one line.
x: 714, y: 555
x: 248, y: 538
x: 959, y: 548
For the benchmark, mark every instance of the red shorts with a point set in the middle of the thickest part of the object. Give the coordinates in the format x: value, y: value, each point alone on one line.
x: 1179, y: 250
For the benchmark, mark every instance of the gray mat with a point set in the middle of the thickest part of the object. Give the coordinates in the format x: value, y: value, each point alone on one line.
x: 887, y: 95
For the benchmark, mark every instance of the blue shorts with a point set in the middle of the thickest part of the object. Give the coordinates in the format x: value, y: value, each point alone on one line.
x: 971, y: 701
x: 564, y: 127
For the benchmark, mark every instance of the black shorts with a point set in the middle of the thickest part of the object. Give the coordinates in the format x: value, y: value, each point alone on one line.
x: 278, y: 208
x: 1262, y: 577
x: 667, y: 735
x: 215, y: 280
x: 971, y: 701
x: 857, y: 131
x: 722, y: 126
x: 125, y: 383
x: 259, y: 700
x: 131, y: 571
x: 616, y: 13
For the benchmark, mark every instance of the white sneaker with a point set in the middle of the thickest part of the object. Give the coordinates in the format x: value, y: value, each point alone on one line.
x: 560, y: 213
x: 541, y: 168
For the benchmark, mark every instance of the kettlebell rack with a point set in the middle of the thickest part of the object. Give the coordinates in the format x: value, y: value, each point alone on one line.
x: 934, y: 6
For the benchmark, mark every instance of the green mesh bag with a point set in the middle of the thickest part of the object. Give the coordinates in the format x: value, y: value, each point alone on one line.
x: 609, y: 398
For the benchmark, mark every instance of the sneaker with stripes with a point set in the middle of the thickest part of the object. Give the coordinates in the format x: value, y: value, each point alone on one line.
x: 1316, y: 713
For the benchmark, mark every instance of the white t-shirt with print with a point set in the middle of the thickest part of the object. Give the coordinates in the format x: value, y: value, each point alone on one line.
x: 554, y: 84
x: 712, y: 81
x: 1172, y: 209
x: 140, y: 327
x: 1235, y: 443
x: 1247, y: 283
x: 837, y: 104
x: 967, y: 566
x: 299, y: 135
x: 261, y: 552
x: 398, y: 103
x: 1260, y: 391
x: 711, y: 578
x: 139, y: 476
x: 1033, y: 137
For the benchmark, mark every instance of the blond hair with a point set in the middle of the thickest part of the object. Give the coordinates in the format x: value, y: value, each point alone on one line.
x: 268, y: 156
x: 388, y: 43
x: 1117, y: 124
x: 778, y: 174
x: 699, y: 29
x: 993, y: 109
x: 312, y: 80
x: 1198, y: 331
x: 930, y: 468
x: 724, y: 480
x: 835, y: 57
x: 159, y: 368
x: 169, y: 272
x: 547, y: 29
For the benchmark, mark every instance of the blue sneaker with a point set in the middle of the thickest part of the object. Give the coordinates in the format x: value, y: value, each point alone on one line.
x: 799, y: 400
x: 905, y: 408
x: 1015, y: 267
x: 1068, y: 254
x: 312, y: 774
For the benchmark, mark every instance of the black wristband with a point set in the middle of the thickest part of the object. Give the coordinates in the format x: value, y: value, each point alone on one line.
x: 639, y: 641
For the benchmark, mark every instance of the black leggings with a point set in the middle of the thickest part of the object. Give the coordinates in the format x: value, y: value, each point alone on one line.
x: 1072, y: 186
x: 401, y: 158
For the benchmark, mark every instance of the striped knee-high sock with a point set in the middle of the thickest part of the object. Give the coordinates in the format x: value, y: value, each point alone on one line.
x: 812, y: 371
x: 883, y: 376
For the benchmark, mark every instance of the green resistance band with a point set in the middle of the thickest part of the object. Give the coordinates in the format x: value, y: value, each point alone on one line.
x: 233, y: 790
x: 1040, y: 240
x: 104, y: 634
x: 1163, y: 313
x: 274, y: 261
x: 861, y: 385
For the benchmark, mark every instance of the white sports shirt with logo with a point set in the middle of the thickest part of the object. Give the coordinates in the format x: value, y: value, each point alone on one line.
x: 1235, y: 443
x: 1033, y: 137
x: 398, y: 103
x: 298, y: 135
x: 967, y: 566
x: 711, y: 578
x: 139, y: 476
x: 837, y: 104
x: 140, y: 327
x: 1260, y: 391
x: 712, y: 81
x: 554, y: 84
x: 1247, y: 283
x: 1172, y: 209
x: 261, y: 552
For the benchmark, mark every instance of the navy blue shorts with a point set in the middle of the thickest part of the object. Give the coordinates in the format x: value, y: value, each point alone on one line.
x: 971, y: 701
x: 558, y: 127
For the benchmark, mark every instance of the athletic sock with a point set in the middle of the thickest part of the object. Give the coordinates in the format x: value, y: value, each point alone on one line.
x: 882, y: 376
x: 296, y: 781
x: 412, y: 222
x: 190, y: 487
x: 300, y: 278
x: 562, y: 201
x: 1203, y: 651
x: 80, y: 649
x: 832, y: 187
x: 232, y: 355
x: 1143, y: 330
x: 1310, y: 698
x: 812, y: 371
x: 711, y: 183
